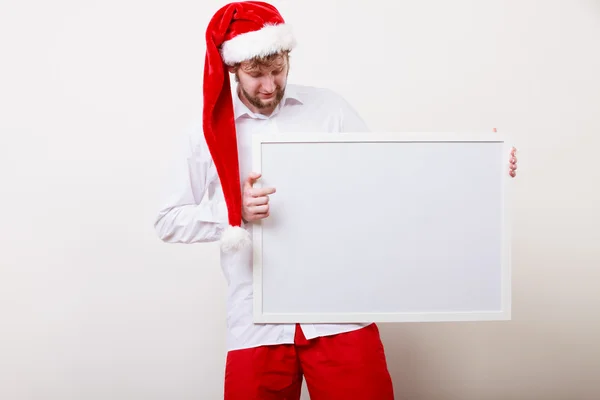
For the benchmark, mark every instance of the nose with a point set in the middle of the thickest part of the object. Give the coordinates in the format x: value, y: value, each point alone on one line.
x: 268, y: 84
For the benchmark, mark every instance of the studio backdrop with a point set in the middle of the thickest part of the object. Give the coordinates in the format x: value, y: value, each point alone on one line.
x: 95, y: 97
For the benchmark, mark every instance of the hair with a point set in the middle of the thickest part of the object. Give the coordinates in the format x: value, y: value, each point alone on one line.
x: 262, y: 61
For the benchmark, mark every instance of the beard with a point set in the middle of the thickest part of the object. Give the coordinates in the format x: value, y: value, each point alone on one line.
x: 261, y: 104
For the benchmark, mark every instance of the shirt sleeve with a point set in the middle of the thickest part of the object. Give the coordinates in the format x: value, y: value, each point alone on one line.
x: 193, y: 209
x: 351, y: 121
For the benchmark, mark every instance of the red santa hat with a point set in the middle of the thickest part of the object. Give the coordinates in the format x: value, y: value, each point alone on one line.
x: 237, y: 32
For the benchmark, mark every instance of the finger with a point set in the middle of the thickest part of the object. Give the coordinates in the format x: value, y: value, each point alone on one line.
x: 252, y: 178
x: 259, y: 192
x: 258, y: 201
x: 258, y: 209
x: 257, y: 217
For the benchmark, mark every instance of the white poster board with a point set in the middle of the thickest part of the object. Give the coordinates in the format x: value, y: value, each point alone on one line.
x: 382, y: 227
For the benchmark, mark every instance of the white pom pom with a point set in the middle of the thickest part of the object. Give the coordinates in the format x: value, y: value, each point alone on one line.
x: 235, y: 238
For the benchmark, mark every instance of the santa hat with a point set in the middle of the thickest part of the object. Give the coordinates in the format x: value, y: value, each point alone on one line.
x: 237, y: 32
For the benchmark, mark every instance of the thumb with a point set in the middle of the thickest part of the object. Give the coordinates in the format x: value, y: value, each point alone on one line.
x: 252, y: 177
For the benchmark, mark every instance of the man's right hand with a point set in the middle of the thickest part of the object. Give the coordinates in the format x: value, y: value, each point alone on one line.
x: 255, y: 201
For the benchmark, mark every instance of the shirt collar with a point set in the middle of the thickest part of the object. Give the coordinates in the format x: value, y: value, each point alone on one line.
x: 290, y: 96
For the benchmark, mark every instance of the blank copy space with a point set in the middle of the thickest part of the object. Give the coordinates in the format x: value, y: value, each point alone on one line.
x: 382, y: 227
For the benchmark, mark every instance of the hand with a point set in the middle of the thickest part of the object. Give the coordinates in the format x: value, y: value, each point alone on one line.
x: 512, y: 171
x: 255, y: 201
x: 513, y: 163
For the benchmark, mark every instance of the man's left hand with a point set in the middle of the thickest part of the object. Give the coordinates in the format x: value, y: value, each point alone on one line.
x: 512, y: 171
x: 513, y: 163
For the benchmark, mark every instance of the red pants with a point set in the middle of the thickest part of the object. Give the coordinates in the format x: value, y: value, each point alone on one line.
x: 347, y: 366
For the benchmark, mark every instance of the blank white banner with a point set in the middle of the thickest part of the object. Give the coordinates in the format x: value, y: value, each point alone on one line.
x: 383, y: 227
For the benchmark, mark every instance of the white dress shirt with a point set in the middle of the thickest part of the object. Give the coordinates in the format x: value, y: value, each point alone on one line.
x: 194, y: 209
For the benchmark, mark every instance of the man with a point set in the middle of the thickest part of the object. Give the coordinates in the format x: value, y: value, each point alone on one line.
x: 251, y: 41
x: 212, y: 198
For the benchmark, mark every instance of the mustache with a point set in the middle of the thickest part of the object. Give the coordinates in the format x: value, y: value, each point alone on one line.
x: 258, y: 103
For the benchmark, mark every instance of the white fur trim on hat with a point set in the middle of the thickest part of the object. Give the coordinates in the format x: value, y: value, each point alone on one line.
x: 268, y: 40
x: 235, y: 238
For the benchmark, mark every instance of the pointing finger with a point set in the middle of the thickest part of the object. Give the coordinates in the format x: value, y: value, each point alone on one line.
x: 257, y: 192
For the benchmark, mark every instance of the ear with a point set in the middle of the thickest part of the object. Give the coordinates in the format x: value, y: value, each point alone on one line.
x: 231, y: 69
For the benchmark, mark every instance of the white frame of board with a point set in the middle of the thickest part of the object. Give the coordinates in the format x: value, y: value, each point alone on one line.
x: 361, y: 317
